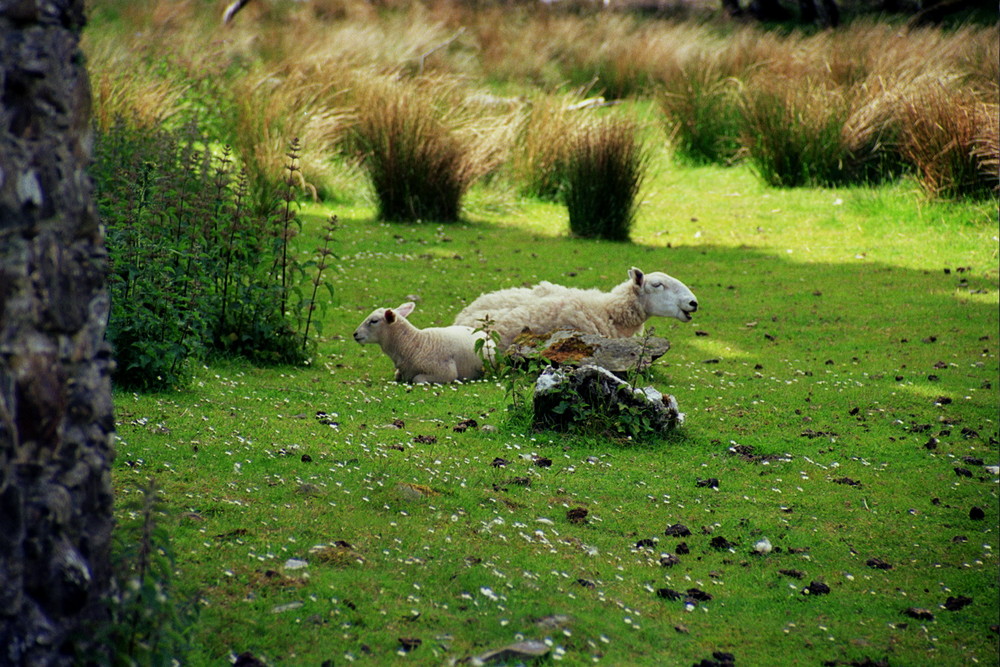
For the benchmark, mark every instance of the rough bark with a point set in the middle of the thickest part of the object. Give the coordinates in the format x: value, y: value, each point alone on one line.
x: 56, y: 418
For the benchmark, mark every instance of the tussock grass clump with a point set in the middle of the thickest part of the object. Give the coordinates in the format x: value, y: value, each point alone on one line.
x: 820, y: 134
x: 543, y: 145
x: 792, y: 132
x: 986, y: 146
x: 271, y: 106
x: 423, y: 145
x: 945, y: 138
x: 603, y: 172
x: 701, y: 110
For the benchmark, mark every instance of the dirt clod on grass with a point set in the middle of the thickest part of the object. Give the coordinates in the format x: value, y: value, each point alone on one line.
x: 957, y: 603
x: 677, y: 530
x: 816, y: 588
x: 719, y: 542
x: 919, y: 613
x: 464, y: 425
x: 669, y: 560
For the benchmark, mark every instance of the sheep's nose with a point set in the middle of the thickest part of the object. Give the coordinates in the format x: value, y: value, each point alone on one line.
x: 694, y: 306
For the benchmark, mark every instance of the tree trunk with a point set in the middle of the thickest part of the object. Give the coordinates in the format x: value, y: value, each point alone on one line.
x: 56, y: 417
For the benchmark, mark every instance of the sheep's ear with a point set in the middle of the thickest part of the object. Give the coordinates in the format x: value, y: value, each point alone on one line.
x: 405, y: 309
x: 636, y: 275
x: 389, y: 316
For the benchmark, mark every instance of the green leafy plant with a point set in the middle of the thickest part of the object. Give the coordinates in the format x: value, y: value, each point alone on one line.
x: 312, y: 305
x: 150, y: 623
x: 195, y: 271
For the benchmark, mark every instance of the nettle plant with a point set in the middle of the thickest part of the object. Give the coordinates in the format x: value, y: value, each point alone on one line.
x: 196, y: 268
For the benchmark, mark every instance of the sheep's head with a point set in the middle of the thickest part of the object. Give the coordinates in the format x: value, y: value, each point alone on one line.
x: 663, y: 295
x: 375, y: 326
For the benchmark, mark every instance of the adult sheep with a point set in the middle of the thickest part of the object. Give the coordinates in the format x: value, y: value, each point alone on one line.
x: 435, y: 355
x: 615, y: 314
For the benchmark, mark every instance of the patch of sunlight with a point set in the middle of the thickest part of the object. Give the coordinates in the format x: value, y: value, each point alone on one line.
x: 541, y: 219
x: 985, y: 297
x: 437, y: 253
x: 924, y: 390
x: 718, y: 348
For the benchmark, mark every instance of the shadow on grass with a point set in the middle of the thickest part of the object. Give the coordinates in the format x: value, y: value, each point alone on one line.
x: 779, y: 347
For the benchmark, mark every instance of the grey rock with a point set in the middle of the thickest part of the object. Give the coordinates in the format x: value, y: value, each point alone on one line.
x: 572, y: 348
x: 563, y: 394
x: 527, y: 649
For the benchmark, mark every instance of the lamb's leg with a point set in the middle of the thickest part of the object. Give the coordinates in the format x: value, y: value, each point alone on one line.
x: 448, y: 373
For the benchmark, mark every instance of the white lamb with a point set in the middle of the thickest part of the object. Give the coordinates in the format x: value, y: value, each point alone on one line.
x: 434, y: 355
x: 615, y: 314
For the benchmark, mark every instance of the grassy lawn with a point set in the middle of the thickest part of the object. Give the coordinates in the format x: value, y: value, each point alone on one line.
x: 839, y: 381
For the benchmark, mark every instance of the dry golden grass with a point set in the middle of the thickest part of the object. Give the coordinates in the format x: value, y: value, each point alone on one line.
x: 940, y: 134
x: 273, y: 108
x: 286, y: 69
x: 132, y: 91
x: 986, y: 145
x: 544, y: 143
x: 424, y: 141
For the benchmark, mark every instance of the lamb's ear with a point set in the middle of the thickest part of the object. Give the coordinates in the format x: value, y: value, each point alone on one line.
x: 389, y: 316
x: 636, y: 275
x: 405, y: 309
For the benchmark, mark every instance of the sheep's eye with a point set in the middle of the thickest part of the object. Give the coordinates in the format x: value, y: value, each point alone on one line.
x: 373, y: 320
x: 657, y: 284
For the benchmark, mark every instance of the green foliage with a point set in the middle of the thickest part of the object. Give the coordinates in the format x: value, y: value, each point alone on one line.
x: 195, y: 270
x: 515, y: 373
x: 603, y: 172
x: 701, y: 112
x: 808, y: 133
x: 792, y: 135
x: 150, y: 623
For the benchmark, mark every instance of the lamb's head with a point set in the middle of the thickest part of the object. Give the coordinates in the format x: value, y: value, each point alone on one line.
x: 375, y: 327
x: 663, y: 295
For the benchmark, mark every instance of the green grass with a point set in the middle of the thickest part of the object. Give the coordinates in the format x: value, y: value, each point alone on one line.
x: 824, y: 312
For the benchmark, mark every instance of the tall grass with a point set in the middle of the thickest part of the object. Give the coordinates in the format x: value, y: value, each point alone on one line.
x: 269, y: 107
x: 943, y: 133
x: 544, y: 144
x: 123, y: 87
x: 603, y: 173
x: 986, y: 147
x: 792, y: 132
x: 701, y: 111
x: 837, y: 107
x: 290, y: 69
x: 423, y: 145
